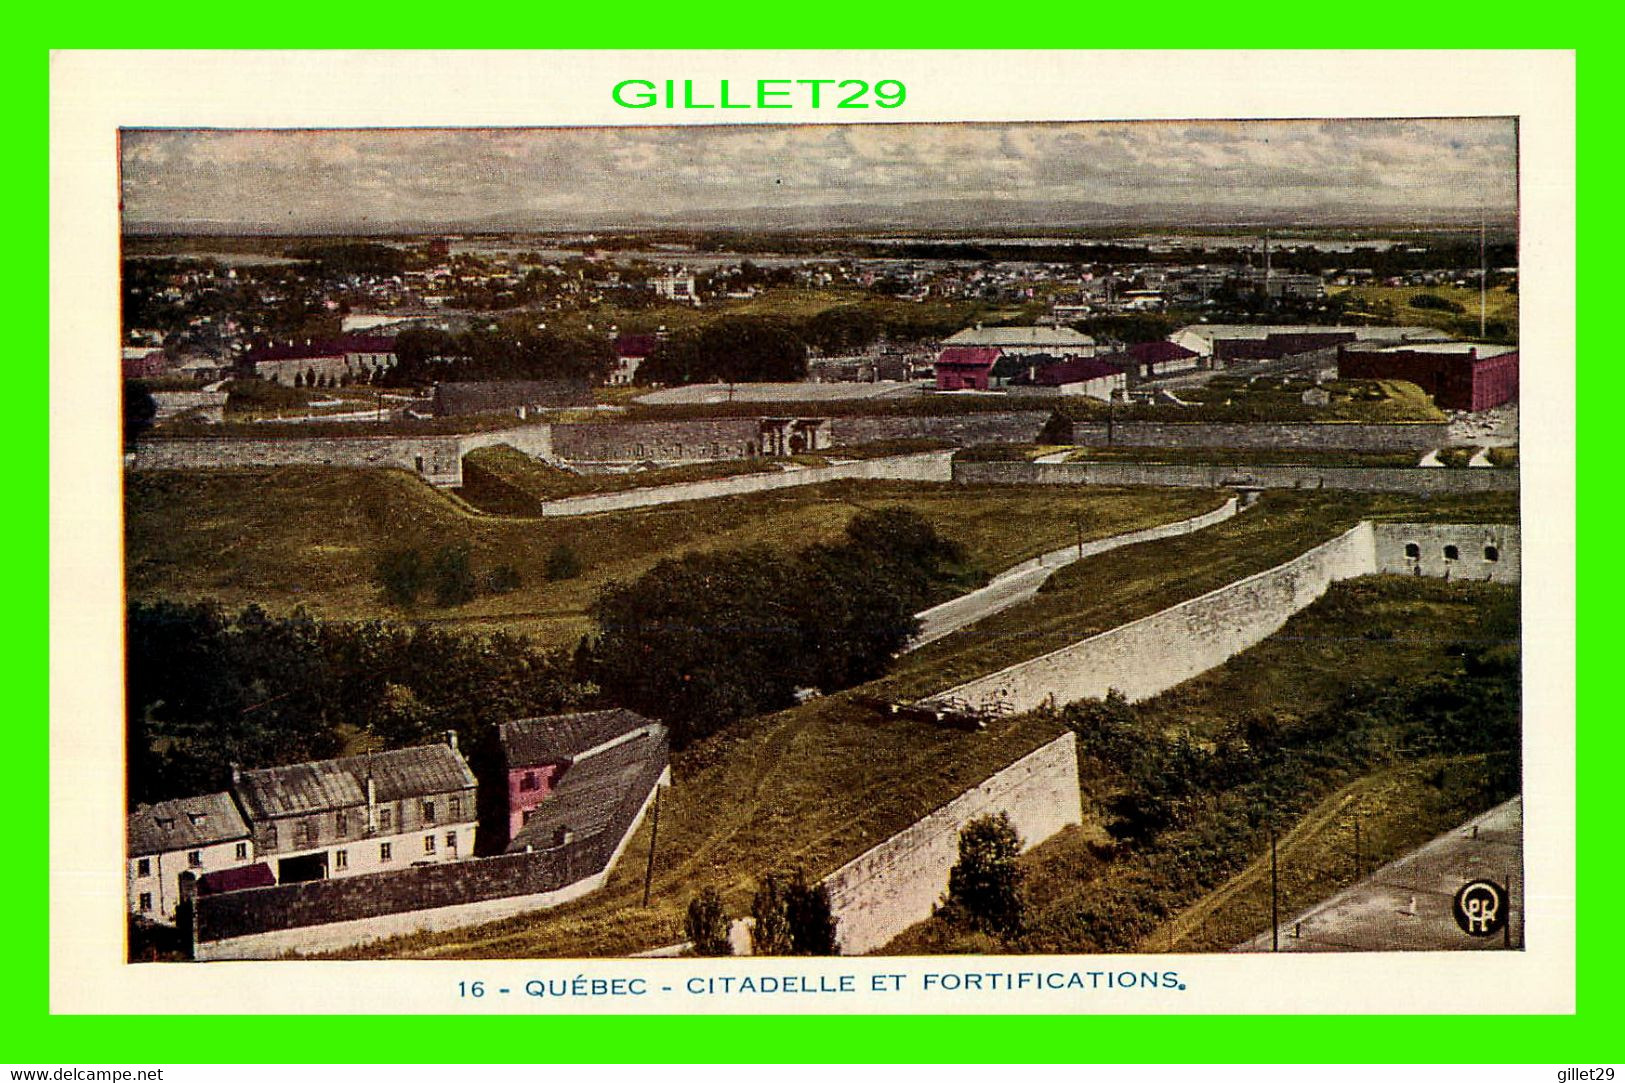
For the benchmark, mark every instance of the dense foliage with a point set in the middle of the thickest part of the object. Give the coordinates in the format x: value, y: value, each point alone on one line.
x: 707, y: 638
x: 430, y: 356
x: 984, y: 887
x: 790, y: 916
x: 706, y: 924
x: 742, y: 349
x: 1186, y: 815
x: 207, y: 689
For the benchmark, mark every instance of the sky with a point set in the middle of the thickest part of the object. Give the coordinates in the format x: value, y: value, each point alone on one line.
x: 321, y: 179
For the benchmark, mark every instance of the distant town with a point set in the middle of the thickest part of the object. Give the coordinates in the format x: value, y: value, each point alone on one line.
x: 700, y: 591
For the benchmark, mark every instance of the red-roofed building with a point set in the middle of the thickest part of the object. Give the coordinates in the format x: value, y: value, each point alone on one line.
x: 327, y: 361
x: 630, y: 352
x: 1095, y: 377
x: 961, y: 368
x: 1148, y: 360
x: 1459, y: 375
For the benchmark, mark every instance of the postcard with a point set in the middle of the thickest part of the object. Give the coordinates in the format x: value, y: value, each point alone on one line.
x: 813, y: 532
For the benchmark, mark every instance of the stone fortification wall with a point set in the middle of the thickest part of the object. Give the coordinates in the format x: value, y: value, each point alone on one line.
x: 1155, y: 653
x: 1481, y: 551
x: 438, y: 459
x: 326, y: 915
x: 883, y: 891
x: 927, y: 466
x: 1003, y: 427
x: 637, y: 441
x: 1373, y: 479
x: 1418, y: 436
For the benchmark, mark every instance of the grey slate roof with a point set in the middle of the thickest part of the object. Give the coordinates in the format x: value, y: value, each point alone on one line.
x: 1018, y: 336
x: 185, y: 823
x: 555, y: 738
x: 590, y: 791
x: 301, y: 788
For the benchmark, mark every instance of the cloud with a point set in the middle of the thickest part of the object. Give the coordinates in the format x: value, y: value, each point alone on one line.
x: 440, y: 175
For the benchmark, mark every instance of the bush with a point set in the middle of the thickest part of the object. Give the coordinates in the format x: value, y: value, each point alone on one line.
x: 707, y: 924
x: 400, y: 572
x: 503, y: 579
x: 562, y: 563
x: 453, y: 574
x: 1435, y: 302
x: 792, y: 917
x: 984, y: 888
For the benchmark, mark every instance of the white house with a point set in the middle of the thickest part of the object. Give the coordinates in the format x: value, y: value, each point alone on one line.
x: 189, y: 835
x: 1060, y: 342
x: 381, y: 810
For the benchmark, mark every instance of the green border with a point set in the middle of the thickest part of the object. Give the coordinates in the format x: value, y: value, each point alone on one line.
x: 32, y: 1035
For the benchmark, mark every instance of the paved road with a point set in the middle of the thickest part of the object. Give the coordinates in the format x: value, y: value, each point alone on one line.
x: 1017, y: 584
x: 1407, y: 904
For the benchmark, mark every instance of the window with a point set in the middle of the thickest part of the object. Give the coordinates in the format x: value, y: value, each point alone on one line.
x: 143, y: 867
x: 242, y: 851
x: 341, y: 824
x: 194, y: 858
x: 456, y: 808
x: 270, y: 836
x: 1492, y: 554
x: 451, y: 840
x: 1413, y: 551
x: 383, y: 851
x: 428, y: 844
x: 529, y: 782
x: 428, y: 812
x: 1452, y: 553
x: 385, y: 819
x: 146, y: 901
x: 524, y: 817
x: 341, y: 859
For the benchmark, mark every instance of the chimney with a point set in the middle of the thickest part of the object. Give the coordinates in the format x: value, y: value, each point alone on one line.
x: 451, y: 735
x: 372, y: 804
x: 563, y: 836
x: 236, y: 775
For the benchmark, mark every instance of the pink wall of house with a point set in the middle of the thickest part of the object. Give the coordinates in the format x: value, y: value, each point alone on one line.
x: 527, y: 788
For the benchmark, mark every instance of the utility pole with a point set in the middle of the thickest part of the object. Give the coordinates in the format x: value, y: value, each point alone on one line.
x: 1275, y: 898
x: 1357, y: 863
x: 654, y: 833
x: 1077, y: 522
x: 1483, y: 280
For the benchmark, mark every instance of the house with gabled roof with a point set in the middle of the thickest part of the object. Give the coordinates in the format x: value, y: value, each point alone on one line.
x: 366, y: 813
x: 567, y: 774
x: 184, y: 837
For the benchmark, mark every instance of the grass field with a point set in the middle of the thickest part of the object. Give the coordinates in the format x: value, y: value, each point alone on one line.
x: 816, y: 785
x: 1391, y: 304
x: 312, y: 536
x: 1375, y: 629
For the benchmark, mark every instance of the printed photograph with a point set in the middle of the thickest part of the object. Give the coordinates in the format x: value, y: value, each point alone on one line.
x: 871, y: 539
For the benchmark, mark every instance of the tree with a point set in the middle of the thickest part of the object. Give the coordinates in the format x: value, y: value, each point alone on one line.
x: 139, y: 411
x: 984, y: 888
x: 454, y: 582
x: 562, y: 563
x: 400, y: 572
x: 812, y: 923
x: 707, y: 924
x: 770, y: 914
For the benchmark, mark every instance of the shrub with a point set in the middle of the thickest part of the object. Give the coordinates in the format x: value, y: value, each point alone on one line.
x: 453, y: 575
x: 707, y: 924
x: 792, y: 917
x: 562, y: 563
x: 400, y: 572
x: 985, y: 886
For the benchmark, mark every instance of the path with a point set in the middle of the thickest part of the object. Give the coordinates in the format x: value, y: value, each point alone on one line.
x: 1407, y: 904
x: 1015, y: 585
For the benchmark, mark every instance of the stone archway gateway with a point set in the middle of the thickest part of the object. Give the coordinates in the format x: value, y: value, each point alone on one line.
x: 781, y: 436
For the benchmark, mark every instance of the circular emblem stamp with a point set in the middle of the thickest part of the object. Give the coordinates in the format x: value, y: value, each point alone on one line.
x: 1481, y: 908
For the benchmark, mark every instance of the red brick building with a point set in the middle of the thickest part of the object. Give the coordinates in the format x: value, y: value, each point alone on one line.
x: 1459, y: 375
x: 961, y: 368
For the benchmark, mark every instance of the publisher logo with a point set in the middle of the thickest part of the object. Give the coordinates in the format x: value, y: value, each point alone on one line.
x: 1481, y: 908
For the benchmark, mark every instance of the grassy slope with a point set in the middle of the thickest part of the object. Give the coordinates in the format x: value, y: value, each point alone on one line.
x: 311, y: 536
x: 1304, y: 667
x: 1500, y: 305
x: 817, y: 785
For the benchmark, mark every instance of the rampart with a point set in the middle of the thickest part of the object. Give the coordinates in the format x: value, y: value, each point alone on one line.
x: 1418, y: 436
x: 327, y: 915
x: 926, y: 466
x: 1371, y: 479
x: 1154, y: 653
x: 884, y: 890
